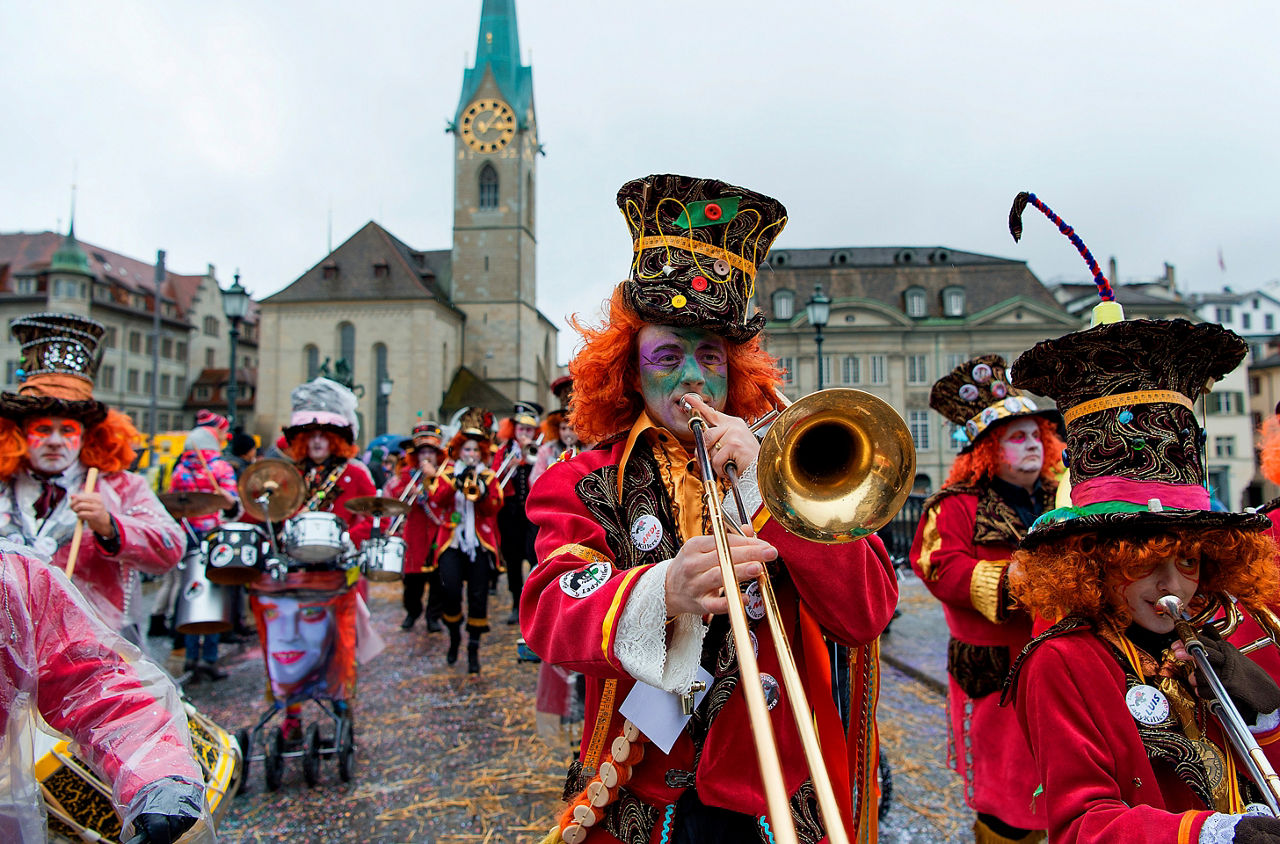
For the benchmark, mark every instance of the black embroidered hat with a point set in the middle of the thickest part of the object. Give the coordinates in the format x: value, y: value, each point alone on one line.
x: 698, y: 244
x: 1134, y: 445
x: 976, y: 395
x: 60, y: 357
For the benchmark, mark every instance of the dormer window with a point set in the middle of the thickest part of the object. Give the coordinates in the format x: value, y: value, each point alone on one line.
x: 916, y: 305
x: 953, y: 302
x: 784, y: 304
x: 381, y: 270
x: 330, y: 272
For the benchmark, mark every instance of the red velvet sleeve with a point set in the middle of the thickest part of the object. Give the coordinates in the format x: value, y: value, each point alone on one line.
x: 943, y: 553
x: 361, y: 484
x: 491, y: 502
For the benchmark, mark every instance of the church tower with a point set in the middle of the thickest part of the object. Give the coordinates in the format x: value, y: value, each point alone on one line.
x: 494, y: 242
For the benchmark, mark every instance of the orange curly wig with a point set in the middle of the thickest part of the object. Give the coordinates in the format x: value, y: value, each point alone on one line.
x: 551, y: 426
x: 108, y: 446
x: 1269, y: 448
x: 337, y: 446
x: 979, y: 464
x: 455, y: 447
x: 606, y: 376
x: 1084, y: 574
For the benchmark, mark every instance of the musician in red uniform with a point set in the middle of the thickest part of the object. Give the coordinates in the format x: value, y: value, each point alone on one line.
x: 515, y: 533
x: 627, y: 586
x: 424, y: 453
x: 467, y: 497
x: 1005, y: 477
x: 52, y: 431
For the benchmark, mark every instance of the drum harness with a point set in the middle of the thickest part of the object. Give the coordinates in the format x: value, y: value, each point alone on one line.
x: 318, y: 497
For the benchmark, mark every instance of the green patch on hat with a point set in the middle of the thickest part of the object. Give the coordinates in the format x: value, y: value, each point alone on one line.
x: 696, y: 216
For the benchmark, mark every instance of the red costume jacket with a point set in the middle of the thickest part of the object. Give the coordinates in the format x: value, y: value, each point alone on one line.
x: 1100, y: 783
x: 443, y: 500
x: 965, y: 540
x: 421, y: 524
x: 597, y: 536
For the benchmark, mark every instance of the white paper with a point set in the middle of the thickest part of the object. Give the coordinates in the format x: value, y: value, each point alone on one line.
x: 657, y: 713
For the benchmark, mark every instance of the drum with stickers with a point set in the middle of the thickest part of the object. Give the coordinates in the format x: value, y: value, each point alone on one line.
x: 202, y: 604
x: 235, y: 553
x: 79, y: 802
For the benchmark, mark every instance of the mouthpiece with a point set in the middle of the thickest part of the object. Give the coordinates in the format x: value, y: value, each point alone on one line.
x: 1170, y: 606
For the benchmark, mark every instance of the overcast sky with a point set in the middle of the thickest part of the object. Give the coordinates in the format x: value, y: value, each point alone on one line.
x: 224, y: 132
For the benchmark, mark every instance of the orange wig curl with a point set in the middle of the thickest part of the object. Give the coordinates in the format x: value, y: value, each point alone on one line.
x: 455, y: 447
x: 1084, y: 574
x: 551, y: 426
x: 979, y: 464
x: 506, y: 430
x: 606, y: 376
x: 338, y: 446
x: 1269, y: 448
x: 107, y: 446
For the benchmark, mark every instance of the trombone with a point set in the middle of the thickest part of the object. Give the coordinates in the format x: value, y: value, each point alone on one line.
x: 833, y: 467
x: 529, y: 454
x: 1233, y: 725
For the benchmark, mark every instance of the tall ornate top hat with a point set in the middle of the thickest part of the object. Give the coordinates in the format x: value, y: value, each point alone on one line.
x: 60, y: 357
x: 1127, y: 391
x: 326, y: 405
x: 476, y: 423
x: 976, y: 395
x: 698, y: 244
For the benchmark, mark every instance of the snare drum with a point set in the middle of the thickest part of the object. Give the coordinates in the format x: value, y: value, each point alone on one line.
x: 79, y: 803
x: 235, y: 553
x: 202, y: 605
x: 383, y: 558
x: 314, y: 537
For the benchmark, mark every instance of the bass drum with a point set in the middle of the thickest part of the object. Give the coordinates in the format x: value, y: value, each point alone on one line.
x: 79, y: 803
x: 235, y: 553
x: 202, y: 606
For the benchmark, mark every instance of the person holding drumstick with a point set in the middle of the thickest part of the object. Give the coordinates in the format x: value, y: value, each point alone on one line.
x: 628, y: 590
x: 54, y: 436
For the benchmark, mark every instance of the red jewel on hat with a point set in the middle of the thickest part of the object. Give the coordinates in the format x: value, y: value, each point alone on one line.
x: 699, y: 283
x: 712, y: 211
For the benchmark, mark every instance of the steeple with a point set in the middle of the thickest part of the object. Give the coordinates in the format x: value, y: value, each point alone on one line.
x: 498, y: 51
x: 69, y: 257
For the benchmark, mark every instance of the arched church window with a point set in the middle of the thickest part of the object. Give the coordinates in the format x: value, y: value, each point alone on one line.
x: 313, y: 361
x: 488, y: 188
x: 347, y: 343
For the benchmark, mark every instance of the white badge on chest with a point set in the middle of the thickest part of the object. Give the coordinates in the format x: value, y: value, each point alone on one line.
x: 1147, y: 704
x: 646, y: 532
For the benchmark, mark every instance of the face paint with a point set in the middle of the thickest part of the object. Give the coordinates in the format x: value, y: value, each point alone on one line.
x: 1021, y: 452
x: 470, y: 452
x: 318, y: 446
x: 674, y: 361
x: 299, y: 638
x: 53, y: 442
x: 1171, y: 576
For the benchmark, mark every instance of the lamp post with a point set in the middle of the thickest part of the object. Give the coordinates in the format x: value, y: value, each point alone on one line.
x: 235, y: 305
x: 384, y: 398
x: 819, y: 310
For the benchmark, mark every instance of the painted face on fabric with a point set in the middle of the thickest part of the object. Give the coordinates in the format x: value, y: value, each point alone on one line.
x: 1021, y: 452
x: 299, y: 635
x: 1171, y: 576
x: 674, y: 361
x: 53, y: 442
x: 318, y: 446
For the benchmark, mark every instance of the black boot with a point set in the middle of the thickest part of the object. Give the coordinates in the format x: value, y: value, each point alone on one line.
x: 514, y: 617
x: 433, y: 625
x: 407, y: 624
x: 211, y: 671
x: 455, y: 640
x: 473, y: 656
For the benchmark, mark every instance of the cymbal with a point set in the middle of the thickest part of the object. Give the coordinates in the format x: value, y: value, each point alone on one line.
x: 377, y: 505
x: 188, y: 505
x: 278, y: 478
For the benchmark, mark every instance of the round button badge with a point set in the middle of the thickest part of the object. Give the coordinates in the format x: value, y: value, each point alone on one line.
x: 1147, y: 705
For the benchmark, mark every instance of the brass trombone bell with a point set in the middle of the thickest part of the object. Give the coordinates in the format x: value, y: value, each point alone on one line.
x: 836, y: 465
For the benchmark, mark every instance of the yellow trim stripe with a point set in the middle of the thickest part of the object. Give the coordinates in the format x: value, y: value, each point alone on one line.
x: 700, y: 247
x: 607, y: 628
x: 761, y: 519
x: 1185, y: 825
x: 604, y: 714
x: 929, y: 543
x: 582, y: 552
x: 1125, y: 400
x: 1268, y: 738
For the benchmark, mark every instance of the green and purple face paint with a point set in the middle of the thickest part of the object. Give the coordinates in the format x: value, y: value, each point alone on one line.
x: 674, y: 361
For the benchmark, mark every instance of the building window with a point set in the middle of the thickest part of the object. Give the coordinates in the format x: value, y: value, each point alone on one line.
x: 148, y: 379
x: 135, y: 342
x: 954, y: 442
x: 164, y: 421
x: 132, y: 380
x: 916, y: 306
x: 347, y: 344
x: 954, y: 360
x: 917, y: 370
x: 953, y: 302
x: 166, y: 348
x: 330, y: 272
x: 109, y: 338
x: 788, y: 366
x: 1223, y: 315
x: 26, y: 285
x: 1226, y: 403
x: 1224, y: 446
x: 166, y: 382
x: 208, y: 358
x: 918, y: 423
x: 202, y: 393
x: 784, y: 304
x: 210, y: 326
x: 1269, y: 322
x: 826, y: 370
x: 107, y: 378
x: 11, y: 372
x: 1255, y: 385
x: 180, y: 386
x: 1257, y: 420
x: 851, y: 370
x: 180, y: 351
x: 313, y: 360
x: 488, y: 188
x: 1246, y: 321
x: 879, y: 370
x: 382, y: 270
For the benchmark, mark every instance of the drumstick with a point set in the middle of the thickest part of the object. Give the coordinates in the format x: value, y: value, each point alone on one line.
x: 90, y: 479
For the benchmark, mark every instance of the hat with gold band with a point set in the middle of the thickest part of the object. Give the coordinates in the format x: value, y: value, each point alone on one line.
x: 976, y: 395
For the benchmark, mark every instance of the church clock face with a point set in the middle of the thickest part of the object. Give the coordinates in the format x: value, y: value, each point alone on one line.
x: 488, y: 125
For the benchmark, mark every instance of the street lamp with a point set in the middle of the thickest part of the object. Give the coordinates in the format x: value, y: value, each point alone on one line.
x: 384, y: 398
x: 819, y: 309
x: 235, y: 305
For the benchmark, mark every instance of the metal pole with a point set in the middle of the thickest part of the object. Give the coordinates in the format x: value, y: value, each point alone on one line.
x: 818, y: 339
x: 232, y: 391
x: 155, y: 350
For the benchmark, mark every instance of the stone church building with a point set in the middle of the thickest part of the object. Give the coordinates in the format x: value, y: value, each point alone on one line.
x: 433, y: 330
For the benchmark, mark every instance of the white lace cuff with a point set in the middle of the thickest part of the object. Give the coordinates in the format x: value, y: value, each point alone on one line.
x: 1267, y: 721
x: 641, y: 641
x: 749, y: 488
x: 1219, y: 829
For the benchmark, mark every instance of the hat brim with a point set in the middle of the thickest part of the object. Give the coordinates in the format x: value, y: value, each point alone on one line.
x: 18, y: 407
x: 1144, y: 523
x: 342, y: 431
x: 1049, y: 413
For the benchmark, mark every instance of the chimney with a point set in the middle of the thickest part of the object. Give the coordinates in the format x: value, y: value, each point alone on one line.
x: 1169, y: 280
x: 1111, y: 270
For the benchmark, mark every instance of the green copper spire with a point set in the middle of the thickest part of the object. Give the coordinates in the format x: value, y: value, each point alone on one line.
x: 70, y: 258
x: 498, y: 51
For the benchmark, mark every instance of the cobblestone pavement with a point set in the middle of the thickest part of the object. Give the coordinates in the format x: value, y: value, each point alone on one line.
x: 451, y: 758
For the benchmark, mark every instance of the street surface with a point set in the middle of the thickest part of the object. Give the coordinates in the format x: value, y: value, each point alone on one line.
x: 451, y: 758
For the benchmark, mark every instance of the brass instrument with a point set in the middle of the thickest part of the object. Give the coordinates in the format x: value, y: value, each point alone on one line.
x: 508, y: 467
x: 834, y: 467
x: 414, y: 488
x: 470, y: 486
x: 1233, y: 725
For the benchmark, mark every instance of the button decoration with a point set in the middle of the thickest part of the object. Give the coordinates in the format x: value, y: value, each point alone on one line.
x: 679, y: 301
x: 999, y: 390
x: 720, y: 267
x: 699, y: 283
x: 982, y: 373
x: 1125, y: 417
x: 968, y: 392
x: 713, y: 211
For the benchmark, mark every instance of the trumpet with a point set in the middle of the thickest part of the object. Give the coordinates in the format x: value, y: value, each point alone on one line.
x: 1222, y: 707
x: 412, y: 491
x: 507, y: 469
x: 468, y: 482
x: 834, y: 466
